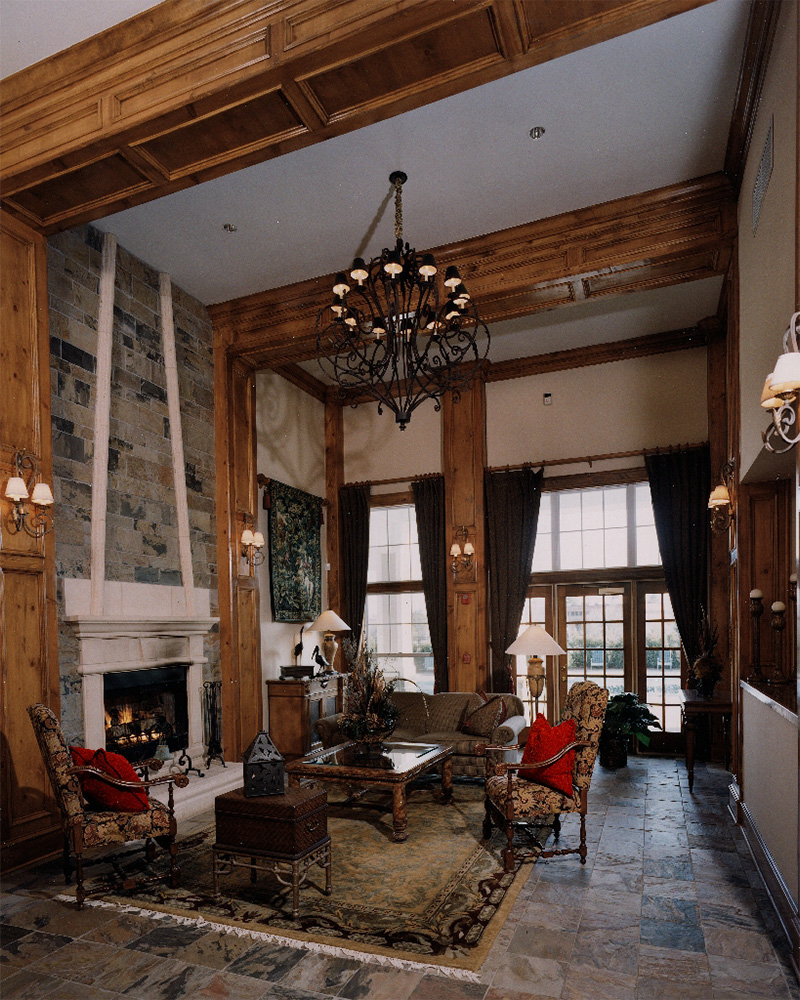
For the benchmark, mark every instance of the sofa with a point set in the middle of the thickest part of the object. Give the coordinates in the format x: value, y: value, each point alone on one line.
x: 459, y: 718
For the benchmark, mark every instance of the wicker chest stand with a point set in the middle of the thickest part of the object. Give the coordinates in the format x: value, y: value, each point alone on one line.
x: 282, y: 834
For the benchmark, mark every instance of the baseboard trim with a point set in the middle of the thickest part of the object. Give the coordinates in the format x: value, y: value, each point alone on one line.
x: 777, y: 890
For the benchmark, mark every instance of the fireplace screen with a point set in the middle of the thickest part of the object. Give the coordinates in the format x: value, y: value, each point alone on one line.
x: 144, y: 708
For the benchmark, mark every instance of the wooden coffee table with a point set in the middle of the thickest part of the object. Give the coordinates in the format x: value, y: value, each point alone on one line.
x: 393, y: 767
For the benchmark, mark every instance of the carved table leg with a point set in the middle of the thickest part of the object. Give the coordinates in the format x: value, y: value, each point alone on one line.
x: 689, y: 730
x: 447, y: 780
x: 399, y: 812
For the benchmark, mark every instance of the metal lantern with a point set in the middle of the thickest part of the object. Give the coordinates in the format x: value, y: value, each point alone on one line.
x: 263, y: 768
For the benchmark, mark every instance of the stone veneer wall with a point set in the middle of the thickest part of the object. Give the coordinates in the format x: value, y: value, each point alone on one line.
x: 142, y: 532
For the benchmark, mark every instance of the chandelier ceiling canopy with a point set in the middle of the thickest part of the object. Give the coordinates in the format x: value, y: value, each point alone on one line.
x: 390, y: 334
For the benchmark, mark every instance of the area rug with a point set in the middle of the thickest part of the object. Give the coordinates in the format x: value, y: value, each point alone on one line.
x: 439, y: 898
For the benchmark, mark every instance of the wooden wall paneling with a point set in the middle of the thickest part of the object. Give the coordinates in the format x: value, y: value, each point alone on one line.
x: 766, y: 560
x: 648, y: 235
x: 463, y: 462
x: 186, y: 92
x: 334, y: 478
x: 29, y: 635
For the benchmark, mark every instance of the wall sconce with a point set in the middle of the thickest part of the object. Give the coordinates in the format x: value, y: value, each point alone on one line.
x: 462, y: 558
x: 720, y: 503
x: 36, y: 522
x: 253, y: 546
x: 780, y: 393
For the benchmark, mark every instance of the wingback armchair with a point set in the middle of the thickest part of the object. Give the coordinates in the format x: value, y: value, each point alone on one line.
x: 511, y: 799
x: 83, y: 827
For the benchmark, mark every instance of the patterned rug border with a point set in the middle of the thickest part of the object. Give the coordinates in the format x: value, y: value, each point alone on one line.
x: 465, y: 969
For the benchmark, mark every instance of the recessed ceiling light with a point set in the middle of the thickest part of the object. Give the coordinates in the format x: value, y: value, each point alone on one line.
x: 229, y: 227
x: 536, y: 132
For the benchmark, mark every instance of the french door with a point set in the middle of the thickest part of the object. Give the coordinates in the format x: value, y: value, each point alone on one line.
x: 594, y: 627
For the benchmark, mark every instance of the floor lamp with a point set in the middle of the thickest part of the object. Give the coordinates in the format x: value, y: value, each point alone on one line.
x: 535, y: 643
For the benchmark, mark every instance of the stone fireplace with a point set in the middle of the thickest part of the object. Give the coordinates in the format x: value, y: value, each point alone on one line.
x: 147, y: 645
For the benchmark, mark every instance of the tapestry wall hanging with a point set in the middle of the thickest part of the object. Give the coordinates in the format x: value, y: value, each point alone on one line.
x: 295, y: 558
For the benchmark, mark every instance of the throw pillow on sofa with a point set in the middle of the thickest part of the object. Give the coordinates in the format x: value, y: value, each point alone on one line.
x: 485, y: 719
x: 544, y: 742
x: 103, y: 796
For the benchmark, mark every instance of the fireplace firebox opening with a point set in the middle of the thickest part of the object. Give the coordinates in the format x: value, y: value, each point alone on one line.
x: 144, y: 708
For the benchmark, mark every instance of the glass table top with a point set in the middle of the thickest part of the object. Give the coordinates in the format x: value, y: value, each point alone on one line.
x: 389, y: 757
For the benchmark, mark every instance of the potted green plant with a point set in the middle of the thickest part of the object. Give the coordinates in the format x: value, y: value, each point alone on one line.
x: 626, y: 716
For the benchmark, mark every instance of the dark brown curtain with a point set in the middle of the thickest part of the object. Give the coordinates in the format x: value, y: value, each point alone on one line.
x: 431, y: 531
x: 354, y: 525
x: 680, y: 482
x: 512, y: 514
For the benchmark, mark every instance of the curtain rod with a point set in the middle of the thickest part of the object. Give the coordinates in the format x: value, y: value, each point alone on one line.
x: 594, y: 458
x: 397, y: 479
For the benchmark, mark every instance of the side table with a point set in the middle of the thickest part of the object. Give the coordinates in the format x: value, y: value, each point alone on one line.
x: 693, y: 704
x: 282, y: 834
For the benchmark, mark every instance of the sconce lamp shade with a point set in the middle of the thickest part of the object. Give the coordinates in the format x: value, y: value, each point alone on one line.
x: 786, y: 377
x: 16, y: 489
x: 534, y: 641
x: 769, y: 399
x: 247, y: 537
x: 720, y: 497
x: 328, y: 621
x: 42, y: 495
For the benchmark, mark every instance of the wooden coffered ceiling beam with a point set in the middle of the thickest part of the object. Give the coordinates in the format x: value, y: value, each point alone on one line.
x: 188, y: 91
x: 663, y: 237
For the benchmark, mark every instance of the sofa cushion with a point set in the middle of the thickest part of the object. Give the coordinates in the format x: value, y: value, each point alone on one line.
x: 463, y: 745
x: 448, y: 710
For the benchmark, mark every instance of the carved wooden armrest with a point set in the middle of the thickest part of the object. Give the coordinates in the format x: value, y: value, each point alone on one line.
x: 550, y: 760
x: 481, y: 748
x: 181, y: 780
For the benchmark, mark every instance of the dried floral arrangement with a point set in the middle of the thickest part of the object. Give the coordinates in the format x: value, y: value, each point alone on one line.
x: 371, y: 715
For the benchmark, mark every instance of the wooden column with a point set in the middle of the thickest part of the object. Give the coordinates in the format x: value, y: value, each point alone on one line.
x: 29, y: 634
x: 463, y: 462
x: 240, y: 627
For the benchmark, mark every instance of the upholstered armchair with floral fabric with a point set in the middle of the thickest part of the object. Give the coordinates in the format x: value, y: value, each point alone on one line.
x: 512, y: 798
x: 83, y: 827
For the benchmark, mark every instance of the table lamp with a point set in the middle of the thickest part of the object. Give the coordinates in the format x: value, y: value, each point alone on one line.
x: 328, y: 623
x: 535, y: 643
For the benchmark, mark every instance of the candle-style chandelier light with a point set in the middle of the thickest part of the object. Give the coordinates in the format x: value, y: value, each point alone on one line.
x: 388, y: 333
x: 780, y: 393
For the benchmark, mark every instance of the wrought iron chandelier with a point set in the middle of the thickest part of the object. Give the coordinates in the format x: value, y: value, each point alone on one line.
x: 388, y: 334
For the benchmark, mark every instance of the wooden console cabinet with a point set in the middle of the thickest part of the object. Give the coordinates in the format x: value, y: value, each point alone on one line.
x: 294, y: 707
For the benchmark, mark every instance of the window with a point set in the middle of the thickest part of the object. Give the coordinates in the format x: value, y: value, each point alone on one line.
x: 599, y: 528
x: 396, y: 622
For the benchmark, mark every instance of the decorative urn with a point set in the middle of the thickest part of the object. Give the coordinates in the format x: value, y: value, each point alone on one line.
x: 263, y: 768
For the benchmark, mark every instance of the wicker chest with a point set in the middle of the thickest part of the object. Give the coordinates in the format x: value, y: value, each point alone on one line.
x: 285, y: 835
x: 288, y: 825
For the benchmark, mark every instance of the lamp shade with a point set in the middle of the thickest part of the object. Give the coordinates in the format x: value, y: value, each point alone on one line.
x: 786, y: 377
x: 769, y: 399
x: 16, y: 489
x: 328, y: 621
x: 42, y: 495
x: 720, y: 497
x: 534, y: 641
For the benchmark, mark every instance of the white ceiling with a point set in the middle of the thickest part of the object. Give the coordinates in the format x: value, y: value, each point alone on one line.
x: 644, y: 110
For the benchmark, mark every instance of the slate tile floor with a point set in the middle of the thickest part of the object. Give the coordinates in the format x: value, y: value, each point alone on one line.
x: 668, y: 907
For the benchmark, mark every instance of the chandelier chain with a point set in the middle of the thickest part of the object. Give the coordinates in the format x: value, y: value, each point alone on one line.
x: 398, y: 209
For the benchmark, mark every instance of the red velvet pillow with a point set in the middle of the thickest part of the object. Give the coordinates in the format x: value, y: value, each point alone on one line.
x: 544, y: 742
x: 102, y: 796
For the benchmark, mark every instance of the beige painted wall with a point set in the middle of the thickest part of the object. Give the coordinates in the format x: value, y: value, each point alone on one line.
x: 620, y: 406
x: 770, y: 781
x: 376, y: 448
x: 767, y: 259
x: 290, y: 435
